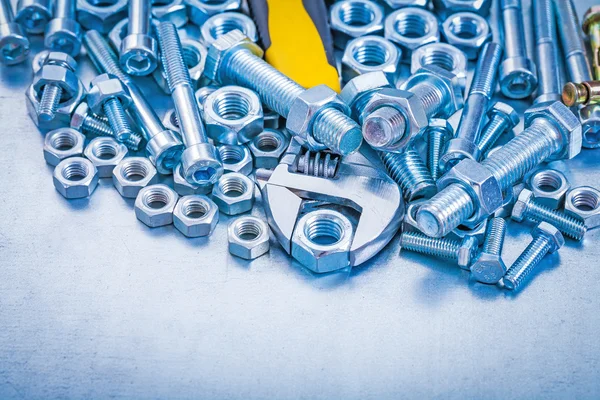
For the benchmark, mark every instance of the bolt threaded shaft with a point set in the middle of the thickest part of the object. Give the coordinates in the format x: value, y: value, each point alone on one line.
x: 496, y: 127
x: 436, y: 141
x: 49, y: 101
x: 176, y: 71
x: 527, y: 261
x: 318, y: 164
x: 494, y: 236
x: 431, y: 96
x: 568, y: 225
x: 409, y: 171
x: 117, y: 119
x: 549, y: 82
x: 99, y: 126
x: 572, y: 41
x: 419, y: 243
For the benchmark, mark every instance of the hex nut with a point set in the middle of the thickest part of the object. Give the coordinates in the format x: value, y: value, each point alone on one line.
x: 105, y: 153
x: 411, y: 28
x: 321, y: 241
x: 202, y: 94
x: 133, y: 174
x: 267, y: 148
x: 194, y: 56
x: 590, y: 125
x: 584, y: 202
x: 549, y: 187
x: 442, y: 55
x: 105, y: 87
x: 395, y: 4
x: 351, y: 19
x: 195, y: 216
x: 59, y: 76
x: 174, y: 11
x: 467, y: 32
x: 236, y: 159
x: 75, y: 178
x: 201, y: 10
x: 170, y: 120
x: 369, y: 54
x: 62, y: 143
x: 463, y: 231
x: 118, y: 33
x: 233, y: 115
x: 358, y: 90
x: 444, y: 8
x: 220, y: 24
x: 101, y: 16
x: 234, y: 193
x: 155, y: 204
x: 39, y: 60
x: 248, y: 237
x: 510, y: 197
x: 185, y: 188
x: 409, y: 224
x: 62, y: 116
x: 271, y: 118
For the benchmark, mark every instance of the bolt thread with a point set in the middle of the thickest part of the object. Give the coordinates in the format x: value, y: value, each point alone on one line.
x: 117, y: 119
x: 384, y: 127
x: 572, y: 41
x: 95, y: 125
x: 527, y: 261
x: 495, y: 128
x: 568, y: 225
x: 318, y: 164
x: 445, y: 211
x: 436, y: 142
x: 546, y: 49
x: 494, y: 236
x: 409, y: 171
x: 172, y: 56
x: 431, y: 97
x: 544, y: 22
x: 49, y: 101
x: 337, y: 131
x: 103, y: 57
x: 486, y: 72
x: 419, y: 243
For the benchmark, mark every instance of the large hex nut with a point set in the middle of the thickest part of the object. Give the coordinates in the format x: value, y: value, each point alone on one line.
x: 233, y: 115
x: 75, y: 178
x: 220, y: 24
x: 411, y: 28
x: 155, y: 204
x: 194, y: 56
x: 442, y: 55
x: 185, y: 188
x: 369, y: 54
x: 236, y: 159
x: 195, y: 216
x: 584, y: 202
x: 58, y: 75
x: 248, y: 237
x: 549, y: 187
x: 267, y: 148
x: 468, y: 32
x: 105, y: 153
x: 201, y: 10
x: 62, y: 116
x: 133, y: 174
x: 62, y: 143
x: 358, y: 91
x: 321, y: 241
x: 105, y: 87
x: 445, y: 8
x: 234, y: 193
x: 101, y: 16
x: 174, y: 11
x: 351, y: 19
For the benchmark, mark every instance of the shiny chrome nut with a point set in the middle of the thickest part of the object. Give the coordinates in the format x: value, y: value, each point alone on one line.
x: 234, y: 193
x: 201, y: 10
x: 549, y: 187
x: 202, y: 94
x: 267, y: 148
x: 75, y: 178
x: 358, y: 90
x: 271, y: 118
x: 33, y: 15
x: 57, y: 75
x: 101, y: 15
x: 321, y: 241
x: 185, y: 188
x: 174, y: 11
x: 369, y: 54
x: 105, y: 153
x: 220, y: 24
x: 233, y: 115
x: 248, y: 237
x: 155, y: 204
x: 584, y: 202
x: 350, y: 19
x: 62, y: 143
x: 409, y: 224
x: 118, y: 33
x: 467, y: 32
x: 170, y: 120
x: 444, y: 8
x: 62, y: 116
x: 133, y: 174
x: 236, y: 158
x: 105, y: 87
x: 411, y: 28
x: 510, y: 197
x: 195, y: 216
x: 442, y: 55
x: 462, y: 232
x: 194, y: 56
x: 395, y: 4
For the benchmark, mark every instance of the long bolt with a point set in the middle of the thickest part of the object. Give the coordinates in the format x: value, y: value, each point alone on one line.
x: 502, y: 119
x: 63, y: 32
x: 463, y: 252
x: 163, y: 146
x: 52, y: 93
x: 572, y: 41
x: 546, y: 49
x: 464, y: 145
x: 33, y: 15
x: 139, y: 49
x: 439, y: 132
x: 200, y: 161
x: 591, y: 27
x: 15, y: 45
x: 489, y: 267
x: 409, y: 171
x: 546, y: 239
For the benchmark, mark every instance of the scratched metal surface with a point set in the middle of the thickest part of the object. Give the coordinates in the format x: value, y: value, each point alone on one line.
x: 95, y: 305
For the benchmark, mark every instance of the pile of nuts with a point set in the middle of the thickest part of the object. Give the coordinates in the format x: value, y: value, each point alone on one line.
x: 238, y: 122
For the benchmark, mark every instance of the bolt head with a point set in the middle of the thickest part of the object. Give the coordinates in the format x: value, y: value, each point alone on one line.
x: 222, y: 48
x: 105, y: 87
x: 79, y: 116
x: 551, y: 233
x: 520, y: 207
x: 591, y: 17
x: 506, y: 111
x: 467, y: 251
x: 488, y: 268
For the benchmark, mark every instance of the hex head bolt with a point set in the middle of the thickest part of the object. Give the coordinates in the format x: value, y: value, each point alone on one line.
x: 163, y: 146
x: 319, y: 121
x: 410, y: 172
x: 200, y: 161
x: 14, y: 45
x: 52, y: 93
x: 552, y: 132
x: 139, y: 49
x: 464, y: 144
x: 502, y: 119
x: 546, y: 239
x: 489, y: 267
x: 462, y: 252
x: 591, y: 27
x: 439, y: 132
x: 546, y: 49
x: 63, y: 32
x: 526, y: 208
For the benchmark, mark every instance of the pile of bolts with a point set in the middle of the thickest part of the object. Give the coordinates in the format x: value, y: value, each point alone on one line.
x: 339, y: 174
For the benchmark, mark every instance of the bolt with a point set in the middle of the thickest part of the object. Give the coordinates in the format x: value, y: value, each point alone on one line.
x: 502, y: 119
x: 489, y: 267
x: 526, y: 208
x: 584, y: 93
x: 63, y: 32
x: 546, y: 239
x: 138, y: 49
x: 33, y: 15
x: 14, y: 44
x: 572, y: 41
x: 546, y: 47
x: 439, y: 132
x: 52, y: 93
x: 463, y: 252
x: 200, y: 160
x: 409, y: 171
x: 464, y: 145
x: 591, y: 27
x: 234, y: 59
x: 163, y: 146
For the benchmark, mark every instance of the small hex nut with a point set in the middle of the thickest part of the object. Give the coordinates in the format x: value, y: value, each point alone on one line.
x: 369, y: 54
x: 584, y: 202
x: 202, y: 94
x: 411, y: 28
x: 201, y: 10
x: 118, y: 33
x: 75, y: 178
x: 267, y: 148
x: 62, y: 116
x: 443, y: 55
x: 219, y: 24
x: 445, y: 8
x: 468, y: 32
x: 463, y: 231
x: 174, y: 11
x: 105, y: 87
x: 234, y: 193
x: 100, y: 16
x: 236, y: 159
x: 351, y: 19
x: 363, y: 85
x: 195, y: 58
x: 549, y: 187
x: 321, y: 241
x: 105, y: 153
x: 57, y: 75
x: 195, y: 216
x: 62, y: 143
x: 170, y: 120
x: 248, y: 237
x: 39, y: 60
x: 185, y: 188
x: 155, y: 204
x: 133, y: 174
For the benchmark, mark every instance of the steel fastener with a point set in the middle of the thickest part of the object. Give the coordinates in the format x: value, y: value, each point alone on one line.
x: 139, y: 50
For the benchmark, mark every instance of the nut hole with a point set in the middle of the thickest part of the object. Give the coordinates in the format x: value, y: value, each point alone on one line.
x: 64, y: 141
x: 173, y: 119
x: 465, y: 28
x: 102, y: 3
x: 231, y: 105
x: 411, y: 26
x: 547, y: 181
x: 75, y: 171
x: 586, y: 201
x: 226, y: 25
x: 268, y: 143
x: 371, y: 54
x: 324, y: 232
x: 248, y: 230
x: 231, y: 154
x: 356, y: 14
x: 135, y: 171
x: 439, y: 58
x: 105, y: 150
x: 195, y: 209
x: 232, y: 186
x: 156, y: 199
x: 191, y: 56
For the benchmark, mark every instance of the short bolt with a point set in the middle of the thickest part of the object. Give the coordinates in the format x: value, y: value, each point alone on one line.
x: 52, y: 93
x: 546, y: 49
x: 546, y: 239
x: 139, y: 49
x: 439, y: 132
x: 63, y: 32
x: 489, y: 267
x: 462, y: 252
x: 410, y: 172
x: 33, y: 15
x: 526, y: 208
x: 572, y: 41
x: 591, y: 27
x: 464, y: 145
x: 502, y: 119
x: 200, y: 161
x: 15, y: 45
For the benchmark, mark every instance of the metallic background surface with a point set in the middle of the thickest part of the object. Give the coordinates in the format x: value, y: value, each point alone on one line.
x: 93, y: 304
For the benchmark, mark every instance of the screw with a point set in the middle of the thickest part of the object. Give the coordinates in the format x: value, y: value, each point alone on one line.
x: 52, y: 93
x: 584, y: 93
x: 200, y: 161
x: 464, y: 145
x: 15, y: 45
x: 502, y: 119
x: 63, y: 32
x: 527, y: 208
x: 138, y: 49
x: 33, y: 15
x: 163, y: 146
x: 234, y: 59
x: 489, y: 267
x: 439, y: 132
x: 463, y: 252
x: 591, y: 27
x: 546, y: 47
x: 546, y: 239
x: 409, y: 171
